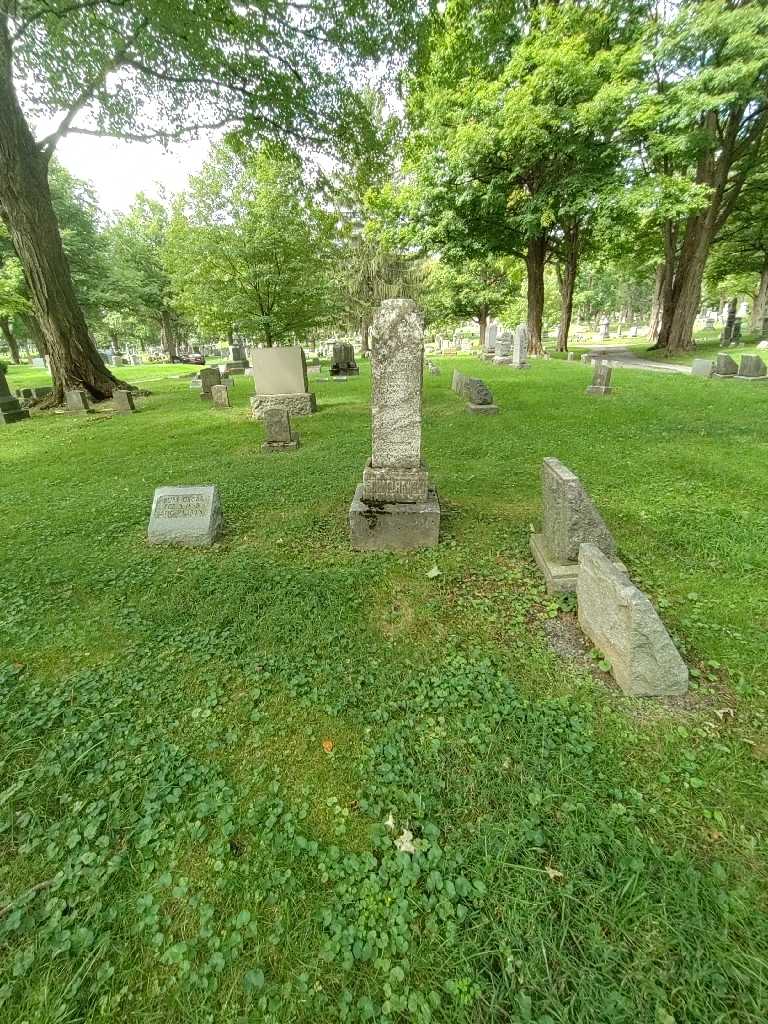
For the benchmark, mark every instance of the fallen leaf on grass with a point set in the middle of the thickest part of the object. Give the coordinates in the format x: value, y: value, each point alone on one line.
x: 404, y: 842
x: 433, y: 573
x: 553, y: 873
x: 722, y: 712
x: 328, y: 746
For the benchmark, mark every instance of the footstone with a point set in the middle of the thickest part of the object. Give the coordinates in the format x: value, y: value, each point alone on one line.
x: 187, y: 516
x: 725, y: 366
x: 624, y: 626
x: 395, y: 509
x: 278, y: 433
x: 601, y: 380
x: 702, y: 368
x: 10, y: 407
x: 77, y: 402
x: 752, y: 368
x: 220, y: 396
x: 480, y: 399
x: 570, y: 519
x: 123, y: 401
x: 280, y: 377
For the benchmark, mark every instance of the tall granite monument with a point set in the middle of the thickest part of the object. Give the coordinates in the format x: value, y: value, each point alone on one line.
x: 395, y: 508
x: 280, y: 377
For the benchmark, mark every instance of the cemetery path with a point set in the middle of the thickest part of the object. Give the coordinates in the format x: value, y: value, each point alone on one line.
x: 627, y: 359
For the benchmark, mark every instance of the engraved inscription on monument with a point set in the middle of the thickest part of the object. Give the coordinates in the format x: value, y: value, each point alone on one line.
x: 189, y: 516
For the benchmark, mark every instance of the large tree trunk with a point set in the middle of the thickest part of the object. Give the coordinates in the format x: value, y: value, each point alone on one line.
x: 25, y: 205
x: 35, y: 334
x: 482, y: 319
x: 534, y: 262
x: 10, y: 338
x: 168, y: 335
x: 567, y: 281
x: 658, y: 297
x: 365, y: 327
x: 760, y: 306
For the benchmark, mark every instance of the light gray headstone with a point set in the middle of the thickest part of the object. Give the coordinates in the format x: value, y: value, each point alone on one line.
x: 220, y: 396
x: 601, y: 380
x: 122, y: 401
x: 570, y: 517
x: 752, y: 366
x: 187, y: 516
x: 702, y: 368
x: 77, y: 402
x: 520, y: 346
x: 622, y: 623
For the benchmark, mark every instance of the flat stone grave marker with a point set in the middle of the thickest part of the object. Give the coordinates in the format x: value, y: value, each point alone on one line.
x: 187, y: 516
x: 220, y: 396
x: 624, y: 626
x: 122, y: 401
x: 395, y: 508
x: 601, y: 380
x: 77, y: 402
x: 702, y: 368
x: 277, y: 428
x: 570, y: 519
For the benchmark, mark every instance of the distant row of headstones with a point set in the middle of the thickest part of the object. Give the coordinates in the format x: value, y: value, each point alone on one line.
x: 748, y: 368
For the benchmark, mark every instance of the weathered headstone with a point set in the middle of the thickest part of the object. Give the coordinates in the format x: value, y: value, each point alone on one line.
x: 502, y: 349
x: 343, y: 360
x: 77, y: 403
x: 238, y: 363
x: 624, y: 626
x: 604, y: 328
x: 570, y: 519
x: 601, y: 380
x: 280, y: 377
x: 188, y: 516
x: 736, y: 332
x: 702, y: 368
x: 122, y: 401
x: 277, y: 431
x: 209, y: 377
x: 458, y: 382
x: 725, y: 366
x: 395, y: 508
x: 491, y: 333
x: 479, y: 397
x: 220, y: 396
x: 586, y: 357
x: 38, y: 362
x: 572, y: 357
x: 10, y: 407
x: 433, y: 369
x: 33, y: 394
x: 520, y: 347
x: 751, y: 368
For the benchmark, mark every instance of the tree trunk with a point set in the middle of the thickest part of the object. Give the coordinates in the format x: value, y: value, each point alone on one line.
x: 658, y: 295
x: 760, y: 307
x: 534, y: 262
x: 567, y: 281
x: 482, y: 319
x: 10, y: 338
x: 25, y: 205
x: 365, y: 327
x: 35, y: 334
x: 169, y: 335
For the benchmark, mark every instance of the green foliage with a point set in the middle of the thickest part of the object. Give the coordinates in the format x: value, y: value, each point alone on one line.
x: 250, y: 249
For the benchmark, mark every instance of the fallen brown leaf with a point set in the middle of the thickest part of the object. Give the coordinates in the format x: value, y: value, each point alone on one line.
x: 328, y: 746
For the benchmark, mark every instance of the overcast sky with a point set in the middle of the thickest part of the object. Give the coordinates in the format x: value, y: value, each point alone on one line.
x: 118, y: 170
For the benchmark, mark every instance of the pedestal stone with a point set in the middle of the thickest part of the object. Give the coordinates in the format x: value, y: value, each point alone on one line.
x: 187, y: 516
x: 624, y: 626
x: 520, y: 348
x: 395, y: 509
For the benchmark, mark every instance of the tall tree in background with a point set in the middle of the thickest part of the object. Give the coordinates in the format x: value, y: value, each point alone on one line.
x: 100, y: 66
x: 251, y: 251
x: 474, y: 290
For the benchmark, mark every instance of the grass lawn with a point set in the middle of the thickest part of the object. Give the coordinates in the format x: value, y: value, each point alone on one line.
x: 210, y: 758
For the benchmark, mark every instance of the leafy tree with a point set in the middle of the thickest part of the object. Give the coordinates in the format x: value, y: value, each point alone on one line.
x: 251, y: 250
x: 475, y: 290
x: 160, y: 69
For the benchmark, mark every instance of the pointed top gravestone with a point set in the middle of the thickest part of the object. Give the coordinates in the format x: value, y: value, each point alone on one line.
x: 752, y: 368
x: 10, y: 407
x: 725, y: 366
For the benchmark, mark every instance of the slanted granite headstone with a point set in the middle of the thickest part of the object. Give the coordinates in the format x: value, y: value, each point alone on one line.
x: 280, y: 377
x: 624, y: 626
x: 77, y: 403
x: 570, y: 519
x: 220, y: 396
x: 209, y: 377
x: 278, y: 433
x: 601, y: 380
x: 702, y: 368
x: 10, y: 407
x: 122, y: 401
x: 480, y: 400
x: 188, y: 516
x: 752, y: 368
x: 395, y: 508
x: 725, y: 366
x: 520, y: 347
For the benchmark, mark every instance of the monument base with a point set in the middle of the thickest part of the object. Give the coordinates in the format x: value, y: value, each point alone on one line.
x: 383, y: 526
x: 482, y: 410
x: 301, y: 404
x: 399, y: 485
x: 559, y: 578
x: 281, y: 446
x: 597, y: 389
x: 12, y: 412
x: 235, y: 369
x: 743, y: 376
x: 724, y: 376
x: 502, y: 360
